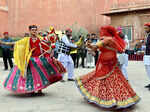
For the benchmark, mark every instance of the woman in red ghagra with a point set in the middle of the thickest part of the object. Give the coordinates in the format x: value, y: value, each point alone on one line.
x: 106, y: 86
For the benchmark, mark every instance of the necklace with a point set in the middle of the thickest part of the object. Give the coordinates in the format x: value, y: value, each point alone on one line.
x: 34, y: 39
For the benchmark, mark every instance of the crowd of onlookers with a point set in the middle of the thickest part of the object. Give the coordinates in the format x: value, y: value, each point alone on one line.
x: 139, y: 47
x: 82, y: 56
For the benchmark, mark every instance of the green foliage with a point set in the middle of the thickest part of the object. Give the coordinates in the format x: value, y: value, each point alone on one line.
x: 77, y: 31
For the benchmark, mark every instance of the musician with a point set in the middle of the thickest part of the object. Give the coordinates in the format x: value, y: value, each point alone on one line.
x: 64, y: 54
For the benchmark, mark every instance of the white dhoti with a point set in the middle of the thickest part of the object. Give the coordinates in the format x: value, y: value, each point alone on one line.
x: 64, y: 58
x: 147, y: 64
x: 68, y: 63
x: 90, y: 62
x: 123, y: 59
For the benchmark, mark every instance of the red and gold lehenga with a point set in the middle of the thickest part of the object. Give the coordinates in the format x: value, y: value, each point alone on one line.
x: 106, y: 86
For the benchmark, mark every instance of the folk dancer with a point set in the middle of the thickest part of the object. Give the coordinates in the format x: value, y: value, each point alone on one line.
x: 64, y: 57
x: 106, y: 86
x: 34, y: 69
x: 90, y: 59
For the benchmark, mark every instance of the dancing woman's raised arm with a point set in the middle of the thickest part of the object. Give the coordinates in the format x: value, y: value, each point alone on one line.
x: 99, y: 44
x: 95, y: 46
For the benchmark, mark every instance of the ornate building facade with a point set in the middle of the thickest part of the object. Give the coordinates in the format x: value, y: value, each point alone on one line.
x: 131, y: 15
x: 16, y: 15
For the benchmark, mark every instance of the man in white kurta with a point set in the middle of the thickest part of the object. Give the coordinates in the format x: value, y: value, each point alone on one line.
x: 64, y: 57
x: 125, y: 64
x: 123, y: 57
x: 147, y: 52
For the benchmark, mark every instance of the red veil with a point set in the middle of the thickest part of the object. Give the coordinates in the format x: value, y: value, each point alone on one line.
x: 107, y: 59
x: 112, y: 32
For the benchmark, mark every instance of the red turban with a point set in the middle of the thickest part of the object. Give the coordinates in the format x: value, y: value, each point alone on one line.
x: 68, y: 29
x: 5, y: 33
x: 147, y: 24
x: 112, y: 32
x: 108, y: 31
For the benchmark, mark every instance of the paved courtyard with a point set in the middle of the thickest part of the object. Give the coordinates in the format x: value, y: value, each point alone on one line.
x: 65, y: 97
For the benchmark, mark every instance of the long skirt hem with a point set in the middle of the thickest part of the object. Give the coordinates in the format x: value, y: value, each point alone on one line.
x: 103, y: 103
x: 41, y: 72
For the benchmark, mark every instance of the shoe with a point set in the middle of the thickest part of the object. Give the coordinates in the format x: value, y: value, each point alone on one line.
x: 148, y: 86
x: 71, y: 80
x: 5, y: 69
x: 40, y: 94
x: 62, y: 81
x: 31, y: 94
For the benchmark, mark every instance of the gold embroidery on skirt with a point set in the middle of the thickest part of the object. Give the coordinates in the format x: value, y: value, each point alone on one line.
x: 103, y: 102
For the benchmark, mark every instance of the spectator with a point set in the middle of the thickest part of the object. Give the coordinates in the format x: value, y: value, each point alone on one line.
x: 26, y: 35
x: 73, y: 54
x: 123, y: 57
x: 6, y: 51
x: 90, y: 54
x: 94, y: 41
x: 147, y: 52
x: 81, y: 52
x: 57, y: 44
x: 138, y: 47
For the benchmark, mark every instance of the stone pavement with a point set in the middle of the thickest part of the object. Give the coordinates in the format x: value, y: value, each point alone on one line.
x: 65, y: 97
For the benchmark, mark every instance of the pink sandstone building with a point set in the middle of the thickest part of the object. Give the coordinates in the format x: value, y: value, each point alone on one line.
x: 58, y: 13
x: 3, y: 16
x: 16, y: 15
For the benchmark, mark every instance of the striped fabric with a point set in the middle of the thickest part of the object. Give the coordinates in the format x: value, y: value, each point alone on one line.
x: 41, y: 72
